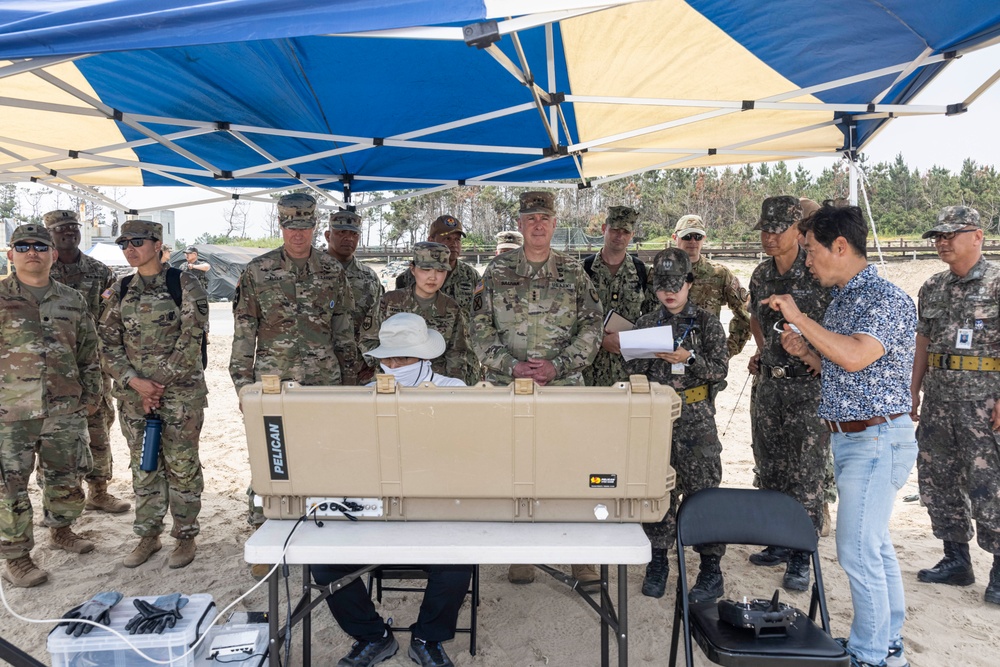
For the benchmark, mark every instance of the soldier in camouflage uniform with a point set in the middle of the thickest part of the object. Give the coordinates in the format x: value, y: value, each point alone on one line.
x: 197, y: 267
x: 699, y: 360
x: 957, y: 363
x: 152, y: 349
x: 790, y: 442
x: 90, y: 277
x: 341, y: 241
x: 50, y: 379
x: 463, y: 278
x: 441, y: 313
x: 616, y: 277
x: 537, y: 315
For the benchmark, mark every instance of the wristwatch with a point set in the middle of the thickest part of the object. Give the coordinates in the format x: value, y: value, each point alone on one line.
x: 690, y: 360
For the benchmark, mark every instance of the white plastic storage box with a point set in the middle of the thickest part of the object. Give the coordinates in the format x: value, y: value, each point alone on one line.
x: 100, y: 648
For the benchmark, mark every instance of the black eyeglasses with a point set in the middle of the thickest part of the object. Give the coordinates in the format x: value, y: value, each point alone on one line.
x: 693, y: 237
x: 947, y: 236
x: 136, y: 243
x: 25, y: 247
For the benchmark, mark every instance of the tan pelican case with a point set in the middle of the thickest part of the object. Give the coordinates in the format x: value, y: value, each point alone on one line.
x: 520, y: 452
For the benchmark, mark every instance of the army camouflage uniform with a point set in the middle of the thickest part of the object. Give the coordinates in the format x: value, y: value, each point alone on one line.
x: 444, y: 316
x: 91, y: 277
x: 366, y: 289
x: 49, y: 376
x: 623, y: 294
x: 959, y: 463
x: 790, y: 442
x: 695, y: 450
x: 145, y: 335
x: 459, y: 285
x: 520, y: 314
x: 293, y: 323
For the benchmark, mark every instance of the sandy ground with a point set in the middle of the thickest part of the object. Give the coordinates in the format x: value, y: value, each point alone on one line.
x: 540, y: 624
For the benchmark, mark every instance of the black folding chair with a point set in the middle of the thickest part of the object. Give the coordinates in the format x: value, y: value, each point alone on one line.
x: 764, y: 518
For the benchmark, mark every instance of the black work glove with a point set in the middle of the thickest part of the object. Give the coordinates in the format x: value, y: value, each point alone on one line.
x: 163, y: 613
x: 96, y: 609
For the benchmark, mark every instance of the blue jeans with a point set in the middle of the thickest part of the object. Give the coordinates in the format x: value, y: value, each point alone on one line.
x: 870, y: 467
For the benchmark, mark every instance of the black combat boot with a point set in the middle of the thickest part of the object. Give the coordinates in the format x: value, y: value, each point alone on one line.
x: 770, y: 556
x: 655, y: 583
x: 993, y: 590
x: 797, y: 572
x: 709, y: 586
x: 955, y: 569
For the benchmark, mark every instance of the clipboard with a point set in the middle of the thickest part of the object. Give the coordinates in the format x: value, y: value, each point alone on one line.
x: 615, y: 323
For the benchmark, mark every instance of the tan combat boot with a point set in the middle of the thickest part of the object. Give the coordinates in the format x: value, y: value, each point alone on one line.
x: 586, y: 574
x: 99, y: 499
x: 182, y: 554
x: 64, y: 538
x: 23, y: 573
x: 521, y: 574
x: 147, y: 546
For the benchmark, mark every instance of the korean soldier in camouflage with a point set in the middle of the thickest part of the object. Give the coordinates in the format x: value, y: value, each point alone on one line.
x: 463, y: 278
x: 90, y: 277
x: 714, y: 284
x: 620, y: 281
x: 699, y: 359
x: 441, y: 313
x: 537, y: 315
x: 957, y: 364
x: 151, y: 346
x: 790, y: 442
x: 50, y: 379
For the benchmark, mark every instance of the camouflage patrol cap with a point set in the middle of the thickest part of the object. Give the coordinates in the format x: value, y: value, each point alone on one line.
x: 31, y: 233
x: 297, y: 211
x: 622, y: 217
x: 190, y: 249
x: 141, y: 229
x: 778, y: 214
x: 60, y: 217
x: 537, y: 202
x: 952, y: 219
x: 347, y: 221
x: 445, y: 225
x: 671, y: 268
x: 427, y: 255
x: 808, y: 207
x: 689, y: 224
x: 509, y: 240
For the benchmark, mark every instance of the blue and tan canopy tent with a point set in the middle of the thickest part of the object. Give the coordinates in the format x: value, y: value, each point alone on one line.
x: 377, y: 95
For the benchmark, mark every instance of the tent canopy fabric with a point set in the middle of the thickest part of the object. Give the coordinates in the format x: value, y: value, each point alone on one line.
x: 374, y: 95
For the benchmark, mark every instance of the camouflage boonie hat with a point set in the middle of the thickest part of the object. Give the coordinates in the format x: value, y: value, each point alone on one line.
x: 427, y: 255
x: 31, y: 233
x: 689, y: 224
x: 141, y: 229
x: 778, y: 214
x: 297, y: 211
x: 347, y: 221
x: 952, y: 219
x: 671, y: 268
x: 60, y: 217
x: 622, y: 217
x: 538, y: 202
x: 508, y: 240
x: 444, y: 225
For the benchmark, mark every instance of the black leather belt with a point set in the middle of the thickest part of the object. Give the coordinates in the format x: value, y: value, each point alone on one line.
x: 781, y: 372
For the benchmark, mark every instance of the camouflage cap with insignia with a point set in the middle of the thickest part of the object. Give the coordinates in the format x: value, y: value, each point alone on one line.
x: 140, y: 229
x: 689, y: 224
x: 60, y: 217
x: 31, y: 233
x: 537, y: 202
x: 622, y: 217
x: 952, y: 219
x: 297, y: 211
x: 671, y: 268
x: 347, y: 221
x: 508, y: 240
x: 778, y: 214
x: 427, y: 255
x: 445, y: 225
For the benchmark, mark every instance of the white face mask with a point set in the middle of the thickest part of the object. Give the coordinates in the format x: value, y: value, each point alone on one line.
x: 410, y: 376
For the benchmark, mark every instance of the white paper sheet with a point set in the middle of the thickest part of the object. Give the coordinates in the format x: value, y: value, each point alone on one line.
x: 644, y: 343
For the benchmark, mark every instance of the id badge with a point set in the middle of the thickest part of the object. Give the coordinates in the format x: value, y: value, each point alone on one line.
x: 963, y: 341
x: 677, y: 369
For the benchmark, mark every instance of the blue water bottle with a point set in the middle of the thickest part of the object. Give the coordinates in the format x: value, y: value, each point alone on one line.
x: 151, y: 443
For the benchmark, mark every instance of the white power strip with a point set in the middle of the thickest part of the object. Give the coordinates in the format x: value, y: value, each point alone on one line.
x: 233, y: 643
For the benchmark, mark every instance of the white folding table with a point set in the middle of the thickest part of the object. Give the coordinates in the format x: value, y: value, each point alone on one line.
x: 449, y: 543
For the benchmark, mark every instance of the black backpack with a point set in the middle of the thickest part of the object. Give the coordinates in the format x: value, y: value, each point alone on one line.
x: 640, y: 269
x: 174, y: 287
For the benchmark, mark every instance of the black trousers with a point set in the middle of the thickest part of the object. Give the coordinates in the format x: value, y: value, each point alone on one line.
x: 354, y: 611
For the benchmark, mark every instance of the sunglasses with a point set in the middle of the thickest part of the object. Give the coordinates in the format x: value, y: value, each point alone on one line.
x: 25, y: 247
x: 947, y: 236
x: 136, y: 243
x: 693, y: 237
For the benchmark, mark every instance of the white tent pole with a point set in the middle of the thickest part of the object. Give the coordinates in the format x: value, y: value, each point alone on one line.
x: 31, y: 64
x: 550, y: 63
x: 862, y: 181
x: 981, y: 89
x: 917, y: 62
